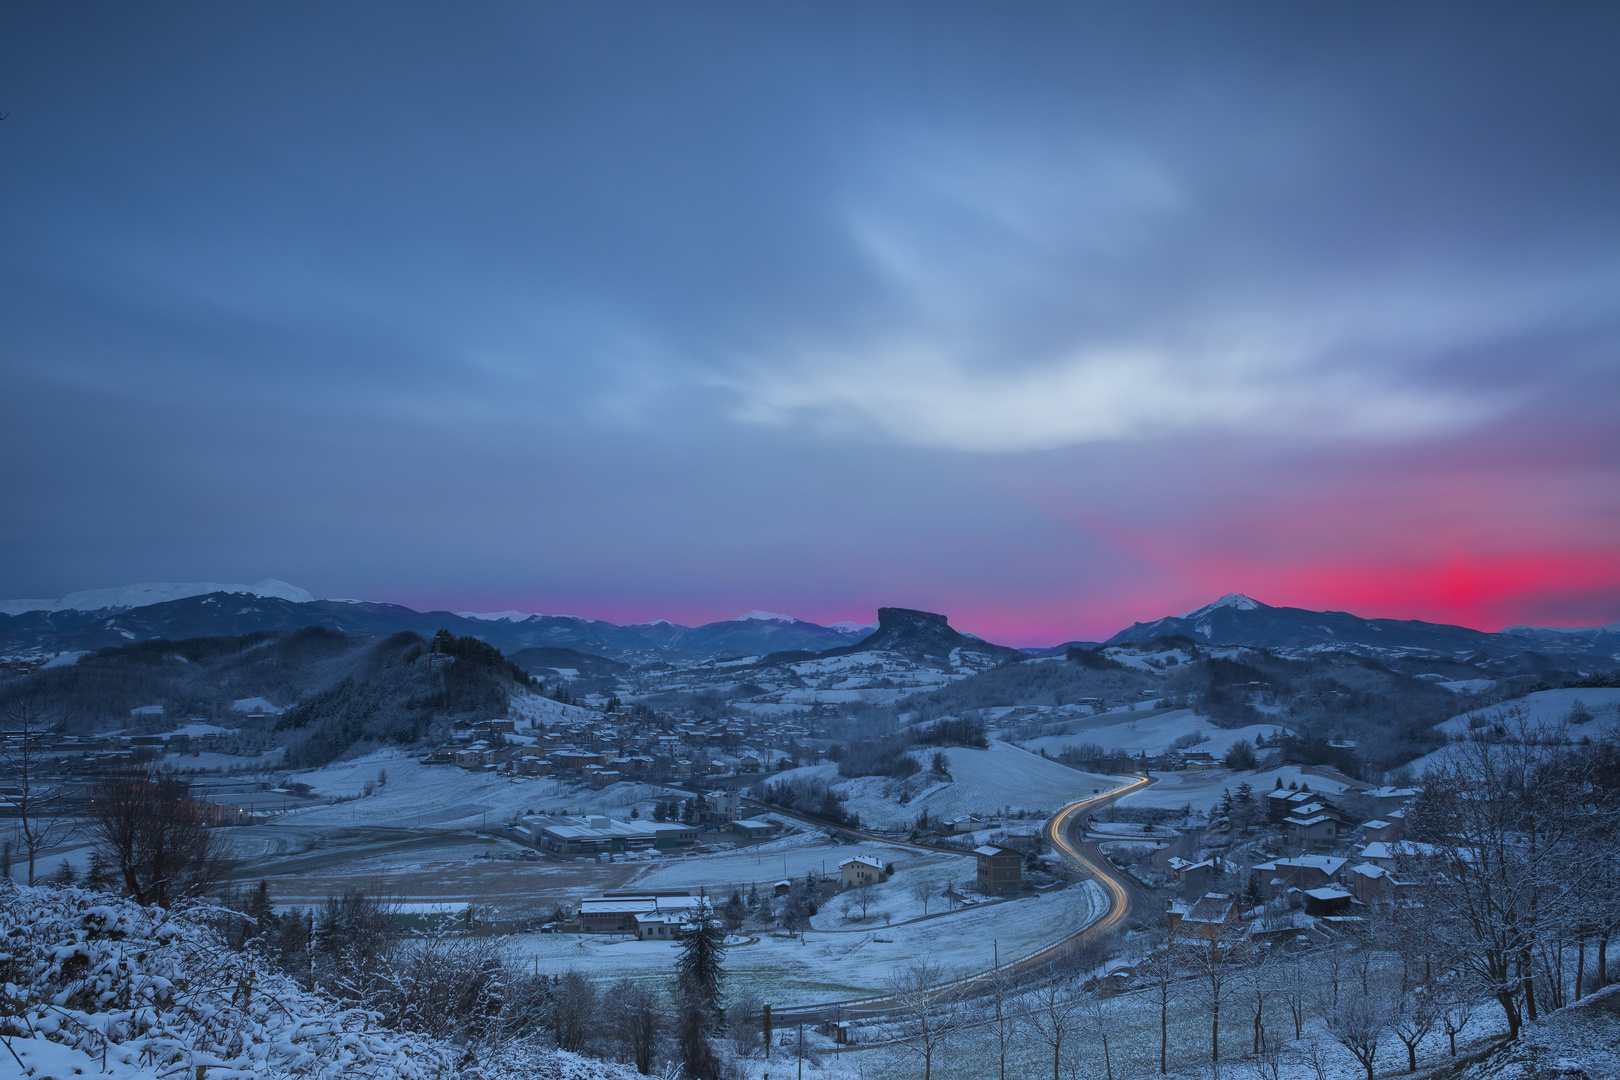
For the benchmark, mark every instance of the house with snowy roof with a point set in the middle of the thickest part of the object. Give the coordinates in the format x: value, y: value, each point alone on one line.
x: 1205, y: 917
x: 861, y: 870
x: 1195, y: 878
x: 1301, y: 872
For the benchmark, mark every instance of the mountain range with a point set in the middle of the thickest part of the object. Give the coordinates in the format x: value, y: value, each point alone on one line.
x: 96, y: 619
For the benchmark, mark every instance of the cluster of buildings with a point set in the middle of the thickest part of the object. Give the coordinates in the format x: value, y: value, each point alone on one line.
x: 1342, y: 867
x: 603, y: 751
x: 76, y: 755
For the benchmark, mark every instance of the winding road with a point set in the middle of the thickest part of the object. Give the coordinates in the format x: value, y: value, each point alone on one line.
x: 1065, y: 832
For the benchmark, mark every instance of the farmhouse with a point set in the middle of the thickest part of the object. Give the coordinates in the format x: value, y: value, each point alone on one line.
x: 861, y: 870
x: 1000, y: 870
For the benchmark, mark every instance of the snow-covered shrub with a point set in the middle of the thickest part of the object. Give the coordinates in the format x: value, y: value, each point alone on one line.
x: 143, y: 992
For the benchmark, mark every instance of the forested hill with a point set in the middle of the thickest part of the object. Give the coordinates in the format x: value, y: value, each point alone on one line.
x: 314, y: 690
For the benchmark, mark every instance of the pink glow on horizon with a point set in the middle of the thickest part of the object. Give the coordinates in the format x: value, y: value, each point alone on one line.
x: 1485, y: 592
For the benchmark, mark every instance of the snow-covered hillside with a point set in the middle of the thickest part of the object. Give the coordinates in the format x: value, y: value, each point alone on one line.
x: 1151, y: 734
x: 1542, y: 707
x: 982, y: 782
x: 98, y: 986
x: 447, y: 797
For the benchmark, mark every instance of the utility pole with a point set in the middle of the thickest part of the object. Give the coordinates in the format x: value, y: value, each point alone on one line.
x: 801, y: 1050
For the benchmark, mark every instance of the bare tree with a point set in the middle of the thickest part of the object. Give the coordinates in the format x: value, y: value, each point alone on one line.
x: 998, y: 1013
x: 1315, y: 1056
x: 1358, y: 1023
x: 636, y: 1018
x: 1052, y: 1014
x: 926, y: 1015
x: 863, y: 895
x: 1454, y: 1018
x: 1417, y: 1014
x: 1295, y: 986
x: 36, y: 794
x: 1500, y: 853
x: 1099, y: 1021
x: 1269, y: 1060
x: 921, y: 890
x: 1209, y: 959
x: 573, y: 1010
x: 1163, y: 969
x: 1254, y: 989
x: 156, y: 836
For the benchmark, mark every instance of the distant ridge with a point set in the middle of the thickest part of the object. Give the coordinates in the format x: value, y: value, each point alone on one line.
x: 124, y: 597
x: 1236, y: 619
x: 99, y: 618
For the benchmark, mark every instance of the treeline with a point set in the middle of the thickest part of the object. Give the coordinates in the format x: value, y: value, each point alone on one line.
x: 887, y: 757
x: 807, y: 797
x: 967, y: 732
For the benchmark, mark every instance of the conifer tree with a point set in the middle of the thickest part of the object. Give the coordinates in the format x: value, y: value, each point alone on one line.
x: 698, y: 976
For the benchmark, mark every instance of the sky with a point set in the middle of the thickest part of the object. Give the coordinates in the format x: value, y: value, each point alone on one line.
x: 1050, y: 317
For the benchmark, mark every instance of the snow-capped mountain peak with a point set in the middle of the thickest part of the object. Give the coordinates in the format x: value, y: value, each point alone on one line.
x: 1235, y: 600
x: 850, y: 626
x: 498, y: 616
x: 764, y: 616
x: 154, y: 592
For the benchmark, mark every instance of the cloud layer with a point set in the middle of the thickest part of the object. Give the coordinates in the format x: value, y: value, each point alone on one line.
x: 1051, y: 323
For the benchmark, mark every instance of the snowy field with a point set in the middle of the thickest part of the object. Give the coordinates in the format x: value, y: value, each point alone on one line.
x: 982, y: 782
x: 1202, y: 790
x: 1152, y: 735
x: 896, y: 900
x: 445, y: 796
x: 837, y: 965
x: 1542, y: 707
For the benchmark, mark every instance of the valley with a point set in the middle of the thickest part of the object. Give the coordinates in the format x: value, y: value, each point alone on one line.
x: 511, y: 794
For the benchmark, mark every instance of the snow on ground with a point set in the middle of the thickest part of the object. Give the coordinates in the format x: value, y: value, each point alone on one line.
x: 982, y: 782
x: 530, y: 707
x: 837, y: 965
x: 1202, y: 790
x: 1152, y: 734
x: 1128, y: 830
x: 200, y: 727
x: 451, y: 797
x: 1541, y: 707
x: 894, y: 900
